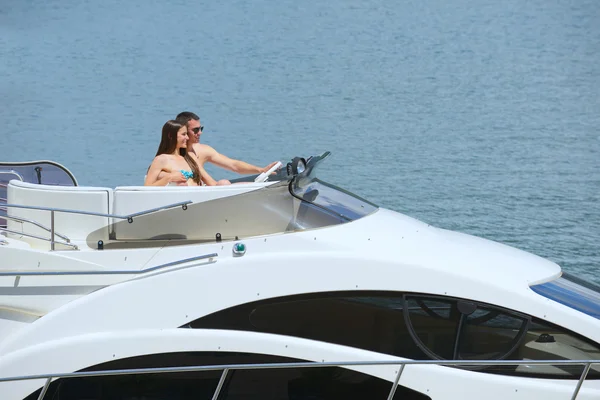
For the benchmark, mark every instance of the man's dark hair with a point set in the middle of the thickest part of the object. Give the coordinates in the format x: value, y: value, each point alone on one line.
x: 186, y: 116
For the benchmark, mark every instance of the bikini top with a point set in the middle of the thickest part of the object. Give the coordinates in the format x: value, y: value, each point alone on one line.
x: 187, y: 174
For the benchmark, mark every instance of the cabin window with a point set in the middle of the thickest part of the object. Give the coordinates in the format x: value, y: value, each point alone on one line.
x: 463, y: 330
x: 545, y: 341
x: 277, y: 384
x: 433, y: 324
x: 415, y: 326
x: 370, y: 322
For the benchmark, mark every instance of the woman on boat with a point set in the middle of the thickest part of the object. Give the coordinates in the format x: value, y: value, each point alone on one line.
x: 173, y: 164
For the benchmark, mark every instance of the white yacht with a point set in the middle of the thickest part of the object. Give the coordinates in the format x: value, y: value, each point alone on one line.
x: 291, y: 270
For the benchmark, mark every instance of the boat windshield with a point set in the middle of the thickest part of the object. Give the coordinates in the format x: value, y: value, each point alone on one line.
x: 343, y: 204
x: 572, y: 292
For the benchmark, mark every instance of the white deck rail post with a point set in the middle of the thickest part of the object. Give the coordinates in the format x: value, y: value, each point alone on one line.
x: 45, y: 388
x: 221, y: 383
x: 396, y: 381
x: 52, y: 230
x: 583, y: 376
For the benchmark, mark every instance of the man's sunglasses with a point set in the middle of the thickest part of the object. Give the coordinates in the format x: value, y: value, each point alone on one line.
x: 198, y: 129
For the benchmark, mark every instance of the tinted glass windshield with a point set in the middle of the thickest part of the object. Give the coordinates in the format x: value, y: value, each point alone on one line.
x: 570, y: 291
x: 309, y: 188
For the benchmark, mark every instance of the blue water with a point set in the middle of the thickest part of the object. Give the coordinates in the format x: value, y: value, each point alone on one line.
x: 478, y: 116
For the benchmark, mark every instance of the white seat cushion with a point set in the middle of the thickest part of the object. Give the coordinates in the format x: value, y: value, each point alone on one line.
x: 75, y: 226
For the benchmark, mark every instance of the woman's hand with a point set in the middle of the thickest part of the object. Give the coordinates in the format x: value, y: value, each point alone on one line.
x: 177, y: 177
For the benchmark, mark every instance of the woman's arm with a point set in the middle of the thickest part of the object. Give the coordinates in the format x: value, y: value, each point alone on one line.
x: 160, y: 164
x: 206, y: 178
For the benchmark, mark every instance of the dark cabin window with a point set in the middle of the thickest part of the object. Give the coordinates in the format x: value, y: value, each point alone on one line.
x: 433, y: 324
x: 415, y: 326
x: 274, y: 384
x: 489, y: 334
x: 453, y: 329
x: 367, y: 322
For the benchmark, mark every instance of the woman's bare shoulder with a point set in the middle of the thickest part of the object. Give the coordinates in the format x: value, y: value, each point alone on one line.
x: 163, y: 159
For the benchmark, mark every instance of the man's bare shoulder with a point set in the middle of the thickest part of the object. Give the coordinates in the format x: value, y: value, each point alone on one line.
x: 203, y: 151
x: 203, y: 147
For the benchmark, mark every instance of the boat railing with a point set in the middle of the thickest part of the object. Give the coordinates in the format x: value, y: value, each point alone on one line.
x: 226, y: 369
x: 15, y: 174
x: 41, y: 226
x: 52, y: 210
x: 109, y: 272
x: 3, y: 186
x: 45, y: 239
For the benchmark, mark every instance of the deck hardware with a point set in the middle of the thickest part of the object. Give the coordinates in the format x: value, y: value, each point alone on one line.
x: 42, y: 226
x: 100, y: 245
x: 20, y: 233
x: 218, y: 237
x: 220, y: 384
x: 545, y: 338
x: 45, y: 389
x: 239, y: 249
x: 52, y: 242
x: 184, y: 207
x: 79, y: 212
x: 396, y: 381
x: 466, y: 307
x: 297, y: 166
x: 280, y: 366
x: 38, y: 171
x: 208, y: 257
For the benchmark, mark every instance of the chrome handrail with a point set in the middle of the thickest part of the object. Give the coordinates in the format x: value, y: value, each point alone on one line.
x: 228, y: 367
x: 52, y: 243
x: 128, y: 217
x: 12, y: 172
x: 19, y: 219
x: 95, y: 214
x: 109, y: 272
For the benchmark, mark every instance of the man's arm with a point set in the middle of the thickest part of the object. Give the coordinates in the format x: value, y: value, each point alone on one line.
x: 231, y: 164
x: 205, y: 176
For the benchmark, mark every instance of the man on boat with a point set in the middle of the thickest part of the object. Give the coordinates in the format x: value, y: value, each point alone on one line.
x: 205, y: 153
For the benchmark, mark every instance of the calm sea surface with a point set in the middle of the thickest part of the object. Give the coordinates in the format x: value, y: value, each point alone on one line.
x: 477, y: 116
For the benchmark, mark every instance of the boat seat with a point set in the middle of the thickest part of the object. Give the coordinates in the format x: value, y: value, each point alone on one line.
x: 75, y: 226
x: 134, y: 199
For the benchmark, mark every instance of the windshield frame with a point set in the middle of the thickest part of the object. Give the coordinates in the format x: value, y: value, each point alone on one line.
x: 300, y: 183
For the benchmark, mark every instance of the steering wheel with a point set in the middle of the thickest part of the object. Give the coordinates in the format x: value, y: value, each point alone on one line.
x: 265, y: 175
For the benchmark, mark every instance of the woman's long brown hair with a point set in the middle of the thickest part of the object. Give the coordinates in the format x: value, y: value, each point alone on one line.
x: 168, y: 144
